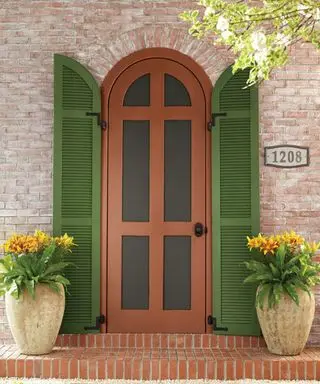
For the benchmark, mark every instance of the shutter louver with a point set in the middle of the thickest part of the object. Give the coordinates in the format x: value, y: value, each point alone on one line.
x: 235, y: 200
x: 76, y: 203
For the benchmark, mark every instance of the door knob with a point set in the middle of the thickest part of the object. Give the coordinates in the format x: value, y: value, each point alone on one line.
x: 199, y: 229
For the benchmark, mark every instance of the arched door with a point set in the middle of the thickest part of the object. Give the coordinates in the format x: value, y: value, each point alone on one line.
x: 156, y: 196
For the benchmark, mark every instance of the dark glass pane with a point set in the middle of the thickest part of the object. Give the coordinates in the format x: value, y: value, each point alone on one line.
x: 135, y: 272
x: 177, y: 170
x: 177, y: 272
x: 135, y: 186
x: 138, y: 94
x: 175, y: 93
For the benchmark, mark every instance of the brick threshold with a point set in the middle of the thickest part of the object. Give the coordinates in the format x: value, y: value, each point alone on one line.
x: 160, y: 363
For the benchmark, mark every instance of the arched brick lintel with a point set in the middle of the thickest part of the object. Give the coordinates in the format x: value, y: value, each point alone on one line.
x: 212, y: 59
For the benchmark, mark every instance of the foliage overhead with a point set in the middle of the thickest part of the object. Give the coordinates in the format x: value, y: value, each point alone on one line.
x: 33, y: 259
x: 282, y: 264
x: 258, y: 33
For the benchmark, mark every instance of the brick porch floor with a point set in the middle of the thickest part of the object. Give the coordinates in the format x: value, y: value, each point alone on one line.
x: 159, y: 357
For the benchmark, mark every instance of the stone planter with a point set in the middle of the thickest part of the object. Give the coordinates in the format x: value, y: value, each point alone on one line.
x: 286, y: 327
x: 35, y: 323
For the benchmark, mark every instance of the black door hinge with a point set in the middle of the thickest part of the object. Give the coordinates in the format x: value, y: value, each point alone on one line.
x: 213, y: 321
x: 99, y: 320
x: 101, y: 123
x: 214, y: 116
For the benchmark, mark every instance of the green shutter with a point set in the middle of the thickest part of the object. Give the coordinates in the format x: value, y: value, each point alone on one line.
x: 76, y: 191
x: 235, y: 201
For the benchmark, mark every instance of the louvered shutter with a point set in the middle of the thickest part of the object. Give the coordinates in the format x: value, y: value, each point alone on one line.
x: 76, y: 200
x: 235, y: 201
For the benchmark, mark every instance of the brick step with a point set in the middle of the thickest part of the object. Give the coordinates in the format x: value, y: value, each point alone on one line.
x: 149, y: 340
x: 144, y: 363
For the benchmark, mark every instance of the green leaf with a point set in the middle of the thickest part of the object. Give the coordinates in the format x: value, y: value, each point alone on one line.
x: 14, y: 290
x: 280, y: 255
x: 54, y: 286
x: 30, y: 285
x: 277, y: 292
x: 259, y: 277
x: 289, y: 288
x: 262, y: 291
x: 3, y: 269
x: 275, y: 271
x: 54, y: 268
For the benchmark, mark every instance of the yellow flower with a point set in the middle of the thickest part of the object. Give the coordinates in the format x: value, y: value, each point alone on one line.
x: 269, y: 245
x: 311, y: 248
x: 21, y: 244
x: 64, y: 241
x: 42, y: 239
x: 255, y: 242
x: 292, y: 239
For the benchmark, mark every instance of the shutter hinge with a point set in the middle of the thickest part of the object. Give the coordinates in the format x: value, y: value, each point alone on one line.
x: 214, y: 116
x: 213, y: 321
x: 99, y: 320
x: 101, y: 123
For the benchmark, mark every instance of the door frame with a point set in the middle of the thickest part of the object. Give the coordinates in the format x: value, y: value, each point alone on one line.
x: 106, y: 88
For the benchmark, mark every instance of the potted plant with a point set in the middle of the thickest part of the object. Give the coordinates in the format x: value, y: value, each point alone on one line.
x: 285, y: 273
x: 33, y: 282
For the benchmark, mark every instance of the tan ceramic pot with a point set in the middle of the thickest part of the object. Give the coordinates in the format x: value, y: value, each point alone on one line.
x: 35, y: 323
x: 286, y: 327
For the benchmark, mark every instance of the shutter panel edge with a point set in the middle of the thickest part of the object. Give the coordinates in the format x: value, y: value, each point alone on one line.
x: 253, y: 329
x: 59, y: 62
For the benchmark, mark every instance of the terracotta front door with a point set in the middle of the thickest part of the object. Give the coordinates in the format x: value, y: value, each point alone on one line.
x: 156, y: 197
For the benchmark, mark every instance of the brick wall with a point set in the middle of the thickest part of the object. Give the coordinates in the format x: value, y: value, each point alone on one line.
x: 98, y: 34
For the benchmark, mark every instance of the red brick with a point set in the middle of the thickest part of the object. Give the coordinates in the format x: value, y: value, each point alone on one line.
x: 293, y: 369
x: 173, y: 369
x: 123, y: 340
x: 136, y: 369
x: 20, y: 367
x: 257, y: 369
x: 310, y: 370
x: 230, y: 365
x: 119, y: 369
x: 147, y: 340
x: 83, y: 369
x: 301, y: 370
x: 73, y: 341
x: 182, y: 364
x: 55, y: 370
x: 284, y: 370
x: 221, y: 370
x: 28, y: 368
x: 64, y: 369
x: 164, y: 369
x: 92, y: 368
x: 146, y: 369
x: 11, y: 368
x: 275, y: 370
x: 91, y: 340
x: 46, y: 368
x: 192, y: 369
x: 239, y: 369
x: 3, y: 370
x: 155, y: 374
x: 101, y: 369
x: 248, y: 369
x: 37, y: 367
x: 111, y: 369
x: 201, y: 369
x: 74, y: 369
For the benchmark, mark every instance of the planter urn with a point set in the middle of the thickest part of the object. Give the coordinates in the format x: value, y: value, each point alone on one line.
x: 35, y: 323
x: 286, y: 326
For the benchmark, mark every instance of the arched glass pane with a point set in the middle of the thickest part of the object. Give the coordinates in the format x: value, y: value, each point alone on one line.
x: 138, y: 94
x: 175, y: 93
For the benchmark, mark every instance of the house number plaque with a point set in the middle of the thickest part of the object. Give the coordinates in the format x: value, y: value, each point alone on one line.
x: 286, y: 156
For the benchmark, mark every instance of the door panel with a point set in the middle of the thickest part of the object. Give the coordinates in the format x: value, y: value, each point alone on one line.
x: 156, y: 193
